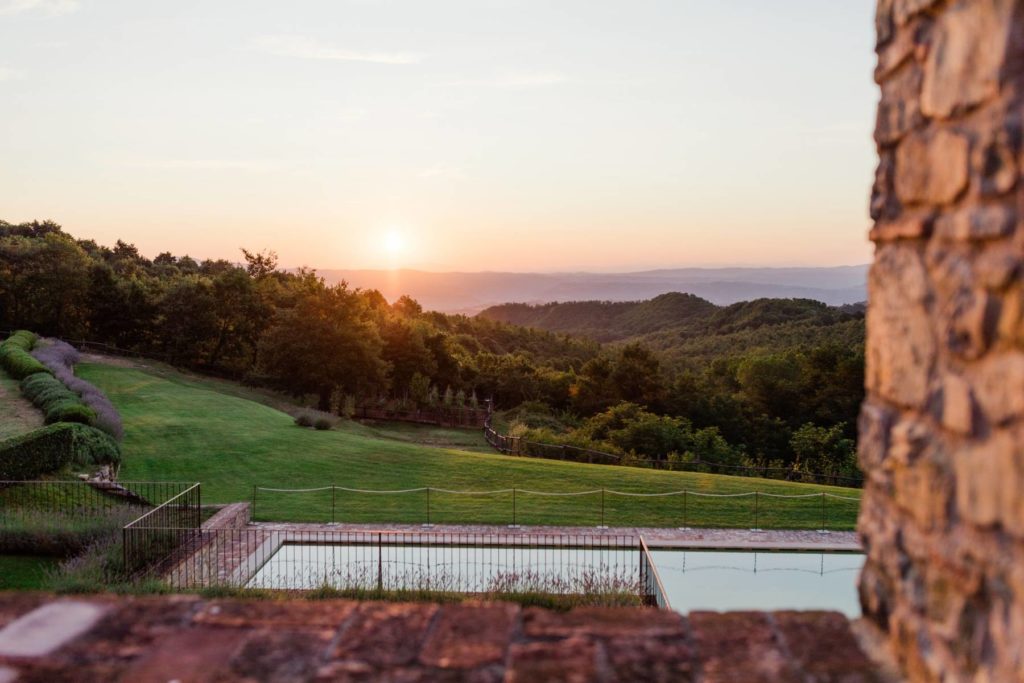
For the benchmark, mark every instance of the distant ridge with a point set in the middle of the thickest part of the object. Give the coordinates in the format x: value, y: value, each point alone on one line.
x: 676, y: 314
x: 470, y: 293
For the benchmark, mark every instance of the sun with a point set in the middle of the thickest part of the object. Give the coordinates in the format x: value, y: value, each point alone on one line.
x: 393, y: 243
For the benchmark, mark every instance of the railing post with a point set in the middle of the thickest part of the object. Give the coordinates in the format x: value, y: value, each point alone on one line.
x: 380, y: 563
x: 685, y: 526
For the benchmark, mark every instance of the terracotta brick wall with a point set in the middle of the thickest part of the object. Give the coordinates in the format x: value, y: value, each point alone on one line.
x: 942, y: 431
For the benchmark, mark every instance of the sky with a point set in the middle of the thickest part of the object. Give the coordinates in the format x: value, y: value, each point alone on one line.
x: 515, y: 135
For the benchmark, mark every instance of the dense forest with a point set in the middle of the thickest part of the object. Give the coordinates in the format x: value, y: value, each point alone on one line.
x: 767, y: 382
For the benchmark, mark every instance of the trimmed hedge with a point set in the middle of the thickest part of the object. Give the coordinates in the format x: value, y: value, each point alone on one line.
x: 15, y: 357
x: 58, y: 403
x: 55, y: 447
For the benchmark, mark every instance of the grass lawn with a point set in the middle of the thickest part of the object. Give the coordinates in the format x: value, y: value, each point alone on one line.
x: 17, y: 416
x: 24, y: 572
x: 185, y: 429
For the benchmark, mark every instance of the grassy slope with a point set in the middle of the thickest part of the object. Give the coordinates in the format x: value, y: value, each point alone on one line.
x: 180, y: 428
x: 18, y: 415
x: 24, y: 572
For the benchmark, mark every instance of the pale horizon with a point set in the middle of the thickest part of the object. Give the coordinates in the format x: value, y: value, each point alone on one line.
x: 503, y: 136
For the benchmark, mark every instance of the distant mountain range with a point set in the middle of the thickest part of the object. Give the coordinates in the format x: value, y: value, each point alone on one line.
x: 470, y: 293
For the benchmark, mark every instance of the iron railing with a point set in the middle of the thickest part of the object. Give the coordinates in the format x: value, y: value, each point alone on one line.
x: 76, y: 498
x: 654, y: 590
x: 603, y: 507
x: 300, y: 559
x: 160, y: 534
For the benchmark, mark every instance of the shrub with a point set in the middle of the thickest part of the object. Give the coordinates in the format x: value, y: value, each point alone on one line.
x: 54, y: 447
x: 15, y: 357
x: 304, y: 420
x: 323, y: 424
x: 60, y: 358
x: 58, y: 403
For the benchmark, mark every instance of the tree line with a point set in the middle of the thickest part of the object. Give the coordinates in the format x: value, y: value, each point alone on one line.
x: 780, y: 396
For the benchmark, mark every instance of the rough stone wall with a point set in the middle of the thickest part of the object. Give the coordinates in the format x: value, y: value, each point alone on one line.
x: 942, y: 430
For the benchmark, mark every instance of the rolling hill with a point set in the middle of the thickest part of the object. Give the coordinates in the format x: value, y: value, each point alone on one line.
x: 469, y: 293
x: 185, y: 428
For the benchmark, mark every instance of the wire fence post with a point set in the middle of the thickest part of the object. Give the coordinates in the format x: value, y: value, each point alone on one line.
x: 823, y: 530
x: 252, y: 514
x: 380, y: 563
x: 428, y: 524
x: 514, y: 524
x: 603, y: 525
x: 757, y: 501
x: 334, y: 504
x: 685, y: 526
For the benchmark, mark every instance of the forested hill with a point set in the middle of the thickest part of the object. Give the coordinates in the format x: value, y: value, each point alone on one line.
x: 671, y: 317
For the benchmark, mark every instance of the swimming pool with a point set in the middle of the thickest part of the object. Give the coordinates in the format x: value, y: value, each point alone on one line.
x: 721, y: 581
x: 691, y: 579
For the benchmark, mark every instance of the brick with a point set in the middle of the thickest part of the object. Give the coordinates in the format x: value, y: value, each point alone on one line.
x: 606, y: 623
x: 649, y: 659
x: 281, y: 655
x: 824, y: 648
x: 197, y: 654
x: 469, y: 636
x: 570, y: 661
x: 739, y: 647
x: 276, y: 614
x: 382, y: 634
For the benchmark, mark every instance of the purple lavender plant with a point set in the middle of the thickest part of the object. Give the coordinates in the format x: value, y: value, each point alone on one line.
x: 60, y: 357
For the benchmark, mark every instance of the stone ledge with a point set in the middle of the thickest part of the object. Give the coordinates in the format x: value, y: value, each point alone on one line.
x: 190, y: 639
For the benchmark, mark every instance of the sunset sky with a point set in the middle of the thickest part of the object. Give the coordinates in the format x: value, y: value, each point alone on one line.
x: 446, y: 135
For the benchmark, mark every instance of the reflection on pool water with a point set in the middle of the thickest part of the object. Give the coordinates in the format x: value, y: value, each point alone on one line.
x: 720, y: 581
x: 693, y: 579
x: 466, y: 569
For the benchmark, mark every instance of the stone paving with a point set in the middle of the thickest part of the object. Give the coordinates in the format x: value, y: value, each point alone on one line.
x: 738, y: 539
x: 185, y: 638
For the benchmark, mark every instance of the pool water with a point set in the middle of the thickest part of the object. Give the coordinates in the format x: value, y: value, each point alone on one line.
x: 692, y: 579
x: 721, y: 581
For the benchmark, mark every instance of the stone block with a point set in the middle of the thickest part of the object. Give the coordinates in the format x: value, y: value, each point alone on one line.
x: 998, y: 384
x: 977, y: 223
x: 381, y: 634
x: 572, y: 660
x: 901, y: 343
x: 46, y: 629
x: 966, y: 56
x: 605, y: 623
x: 469, y: 636
x: 740, y: 646
x: 931, y: 167
x: 957, y: 405
x: 899, y: 111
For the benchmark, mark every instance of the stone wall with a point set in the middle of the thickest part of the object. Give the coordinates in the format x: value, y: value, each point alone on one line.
x: 942, y: 431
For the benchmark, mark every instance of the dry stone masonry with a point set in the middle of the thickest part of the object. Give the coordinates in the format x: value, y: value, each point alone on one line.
x: 942, y: 431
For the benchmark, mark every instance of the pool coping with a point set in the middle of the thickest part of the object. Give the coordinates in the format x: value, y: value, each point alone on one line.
x: 656, y: 538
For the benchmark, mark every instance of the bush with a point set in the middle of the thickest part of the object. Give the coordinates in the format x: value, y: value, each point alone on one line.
x: 304, y: 420
x: 58, y: 403
x: 60, y: 358
x: 323, y: 424
x: 55, y: 447
x: 15, y: 357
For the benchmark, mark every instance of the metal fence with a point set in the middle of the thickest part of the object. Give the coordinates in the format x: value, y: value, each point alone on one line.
x: 159, y: 535
x: 515, y: 445
x: 63, y: 499
x: 653, y: 589
x: 601, y: 507
x: 605, y: 566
